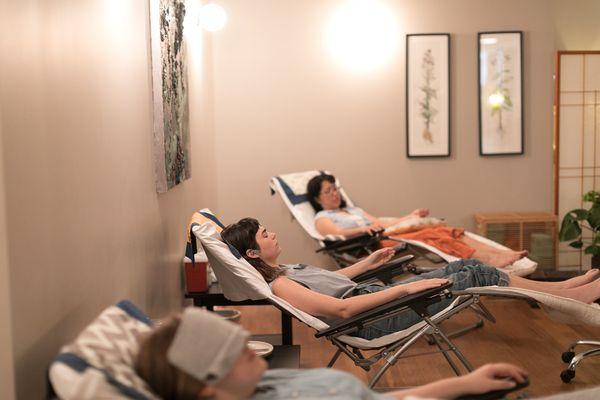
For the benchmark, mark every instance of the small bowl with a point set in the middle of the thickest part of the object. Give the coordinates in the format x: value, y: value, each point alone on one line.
x: 229, y: 314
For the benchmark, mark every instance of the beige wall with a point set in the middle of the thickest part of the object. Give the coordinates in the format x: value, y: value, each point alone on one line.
x: 283, y: 105
x: 85, y: 225
x: 576, y: 24
x: 6, y: 353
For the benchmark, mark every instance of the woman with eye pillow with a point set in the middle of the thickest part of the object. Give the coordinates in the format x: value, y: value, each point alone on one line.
x: 201, y: 356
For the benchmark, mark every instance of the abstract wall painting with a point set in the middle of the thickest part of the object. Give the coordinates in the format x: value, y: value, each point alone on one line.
x: 500, y: 59
x: 170, y: 94
x: 428, y: 95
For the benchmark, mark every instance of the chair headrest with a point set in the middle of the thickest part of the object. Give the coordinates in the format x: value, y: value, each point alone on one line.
x: 101, y: 358
x: 292, y: 189
x: 198, y: 218
x: 238, y: 279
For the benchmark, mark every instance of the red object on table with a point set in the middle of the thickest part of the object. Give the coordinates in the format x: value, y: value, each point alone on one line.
x: 195, y: 277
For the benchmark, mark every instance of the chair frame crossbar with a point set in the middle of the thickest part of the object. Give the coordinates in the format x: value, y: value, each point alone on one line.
x: 394, y: 351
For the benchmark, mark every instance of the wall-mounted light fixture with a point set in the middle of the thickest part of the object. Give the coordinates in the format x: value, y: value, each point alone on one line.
x: 362, y: 34
x: 212, y: 17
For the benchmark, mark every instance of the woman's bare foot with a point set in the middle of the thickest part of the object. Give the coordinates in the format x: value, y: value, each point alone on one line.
x: 503, y: 258
x: 584, y: 279
x: 585, y: 293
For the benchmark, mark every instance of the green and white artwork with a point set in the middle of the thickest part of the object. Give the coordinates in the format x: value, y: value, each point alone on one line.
x: 170, y: 93
x: 500, y: 93
x: 428, y: 95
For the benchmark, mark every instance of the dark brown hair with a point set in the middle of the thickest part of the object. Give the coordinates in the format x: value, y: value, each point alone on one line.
x: 152, y: 365
x: 242, y: 236
x: 313, y: 189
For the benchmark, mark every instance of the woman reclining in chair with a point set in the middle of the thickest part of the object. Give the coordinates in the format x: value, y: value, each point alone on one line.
x: 334, y: 218
x: 180, y: 360
x: 333, y: 295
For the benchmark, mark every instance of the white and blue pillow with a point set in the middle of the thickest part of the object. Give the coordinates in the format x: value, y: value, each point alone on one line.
x: 99, y: 363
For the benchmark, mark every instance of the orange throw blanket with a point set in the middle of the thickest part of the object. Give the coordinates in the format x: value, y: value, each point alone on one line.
x: 444, y: 238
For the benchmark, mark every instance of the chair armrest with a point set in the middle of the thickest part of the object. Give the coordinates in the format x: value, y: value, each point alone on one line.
x: 386, y: 271
x: 352, y: 243
x: 420, y: 300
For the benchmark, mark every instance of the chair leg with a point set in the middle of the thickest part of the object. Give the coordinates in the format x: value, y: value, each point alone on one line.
x: 584, y: 343
x: 479, y: 308
x: 459, y: 332
x: 453, y: 348
x: 445, y: 354
x: 579, y: 357
x: 391, y: 359
x: 334, y: 358
x: 568, y: 374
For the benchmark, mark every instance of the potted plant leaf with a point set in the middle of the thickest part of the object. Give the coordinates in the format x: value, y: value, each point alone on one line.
x: 580, y: 219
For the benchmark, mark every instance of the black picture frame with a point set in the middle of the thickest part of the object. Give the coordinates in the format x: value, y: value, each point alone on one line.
x: 422, y: 131
x: 497, y: 80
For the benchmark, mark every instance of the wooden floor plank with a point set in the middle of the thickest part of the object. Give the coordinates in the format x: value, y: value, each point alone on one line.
x: 522, y: 335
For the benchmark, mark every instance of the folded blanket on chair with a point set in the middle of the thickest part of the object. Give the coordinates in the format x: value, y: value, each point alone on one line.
x: 199, y: 218
x: 444, y: 238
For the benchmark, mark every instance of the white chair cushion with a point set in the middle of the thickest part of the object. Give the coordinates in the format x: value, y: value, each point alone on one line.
x: 238, y: 279
x: 560, y: 309
x: 99, y: 363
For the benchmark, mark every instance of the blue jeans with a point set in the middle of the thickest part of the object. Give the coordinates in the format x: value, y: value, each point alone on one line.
x: 463, y: 274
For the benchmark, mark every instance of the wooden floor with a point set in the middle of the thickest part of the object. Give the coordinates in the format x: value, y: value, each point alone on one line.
x: 523, y: 335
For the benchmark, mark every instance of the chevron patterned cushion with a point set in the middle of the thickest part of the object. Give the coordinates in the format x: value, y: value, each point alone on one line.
x: 99, y: 362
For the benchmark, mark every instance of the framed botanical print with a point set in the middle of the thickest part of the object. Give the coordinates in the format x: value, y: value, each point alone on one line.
x: 428, y: 95
x: 500, y: 89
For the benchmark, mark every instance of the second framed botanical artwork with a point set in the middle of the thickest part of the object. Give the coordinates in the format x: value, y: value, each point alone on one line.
x: 500, y: 93
x: 428, y: 95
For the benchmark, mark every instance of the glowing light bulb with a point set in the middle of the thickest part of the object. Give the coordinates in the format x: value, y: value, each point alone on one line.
x: 362, y: 34
x: 212, y: 17
x: 496, y: 100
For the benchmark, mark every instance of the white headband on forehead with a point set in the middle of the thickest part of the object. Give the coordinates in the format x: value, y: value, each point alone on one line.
x: 205, y: 345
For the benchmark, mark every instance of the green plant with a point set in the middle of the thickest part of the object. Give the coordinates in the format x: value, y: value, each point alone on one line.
x: 576, y: 220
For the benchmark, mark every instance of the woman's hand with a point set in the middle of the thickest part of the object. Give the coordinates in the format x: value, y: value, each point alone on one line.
x: 379, y: 257
x: 371, y: 229
x: 420, y: 213
x: 423, y: 284
x: 491, y: 377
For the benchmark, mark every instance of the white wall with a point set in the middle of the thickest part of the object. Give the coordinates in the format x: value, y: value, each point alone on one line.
x: 85, y: 225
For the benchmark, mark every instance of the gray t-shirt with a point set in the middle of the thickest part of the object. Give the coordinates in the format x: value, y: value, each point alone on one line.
x: 322, y: 383
x: 320, y: 280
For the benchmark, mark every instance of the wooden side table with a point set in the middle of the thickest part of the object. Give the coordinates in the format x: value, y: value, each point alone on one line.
x: 214, y: 297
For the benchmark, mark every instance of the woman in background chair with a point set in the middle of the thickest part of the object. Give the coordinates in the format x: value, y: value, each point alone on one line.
x: 200, y: 356
x: 335, y: 218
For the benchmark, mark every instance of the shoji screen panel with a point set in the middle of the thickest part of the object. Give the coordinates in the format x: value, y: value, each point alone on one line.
x: 576, y: 140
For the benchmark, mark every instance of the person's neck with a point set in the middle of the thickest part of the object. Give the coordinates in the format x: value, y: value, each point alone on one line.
x: 272, y: 263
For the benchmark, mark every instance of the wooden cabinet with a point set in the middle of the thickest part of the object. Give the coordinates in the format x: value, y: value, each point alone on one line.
x: 532, y: 231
